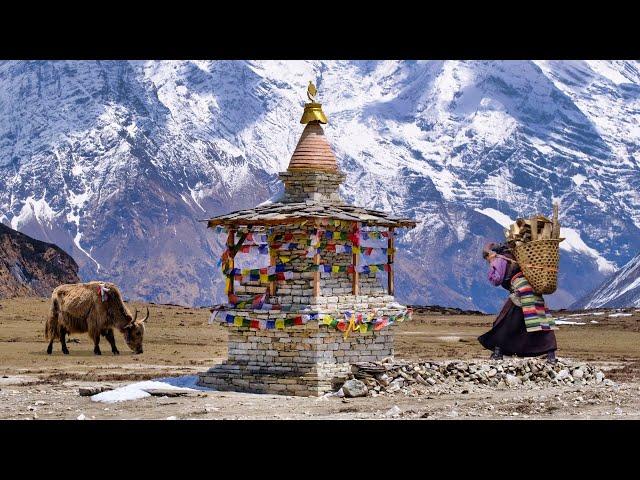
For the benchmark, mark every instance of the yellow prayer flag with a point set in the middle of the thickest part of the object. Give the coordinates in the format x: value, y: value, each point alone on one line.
x: 280, y: 324
x: 335, y: 269
x: 264, y: 278
x: 237, y: 321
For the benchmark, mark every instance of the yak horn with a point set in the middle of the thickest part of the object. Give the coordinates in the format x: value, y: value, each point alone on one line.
x: 145, y: 318
x: 135, y: 316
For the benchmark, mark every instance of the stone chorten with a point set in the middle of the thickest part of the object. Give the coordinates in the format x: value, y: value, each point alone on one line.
x: 296, y: 325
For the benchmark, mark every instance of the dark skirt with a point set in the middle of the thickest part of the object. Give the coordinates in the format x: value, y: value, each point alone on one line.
x: 510, y: 334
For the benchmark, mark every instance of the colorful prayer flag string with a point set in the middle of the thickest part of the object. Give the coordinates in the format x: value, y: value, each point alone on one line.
x: 350, y: 321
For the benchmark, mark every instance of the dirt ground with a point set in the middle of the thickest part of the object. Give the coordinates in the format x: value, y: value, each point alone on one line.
x: 179, y: 342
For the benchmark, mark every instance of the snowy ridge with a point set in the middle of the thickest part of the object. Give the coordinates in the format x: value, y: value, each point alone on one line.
x: 620, y: 290
x: 117, y: 161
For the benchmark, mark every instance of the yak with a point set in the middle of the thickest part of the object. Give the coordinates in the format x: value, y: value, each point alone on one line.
x: 95, y: 308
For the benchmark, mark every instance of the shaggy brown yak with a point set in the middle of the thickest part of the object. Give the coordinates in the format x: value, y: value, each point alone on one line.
x: 95, y: 308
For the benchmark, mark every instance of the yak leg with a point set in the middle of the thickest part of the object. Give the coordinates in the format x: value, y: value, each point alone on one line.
x: 50, y: 347
x: 63, y: 341
x: 112, y: 341
x: 96, y: 341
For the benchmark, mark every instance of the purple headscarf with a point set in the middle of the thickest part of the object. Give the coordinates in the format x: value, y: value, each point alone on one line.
x: 489, y: 248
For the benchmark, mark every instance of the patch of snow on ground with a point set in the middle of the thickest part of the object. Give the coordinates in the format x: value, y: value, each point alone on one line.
x: 568, y: 322
x: 135, y: 391
x: 620, y: 314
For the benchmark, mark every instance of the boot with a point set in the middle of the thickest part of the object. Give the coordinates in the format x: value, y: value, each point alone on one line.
x: 551, y: 357
x: 497, y: 354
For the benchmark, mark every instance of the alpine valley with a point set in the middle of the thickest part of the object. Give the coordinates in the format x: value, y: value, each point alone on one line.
x: 117, y: 163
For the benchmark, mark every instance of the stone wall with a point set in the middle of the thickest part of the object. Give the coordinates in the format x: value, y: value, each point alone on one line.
x: 300, y: 186
x: 303, y: 360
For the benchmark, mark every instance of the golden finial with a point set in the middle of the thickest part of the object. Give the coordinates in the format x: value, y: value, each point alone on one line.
x: 312, y: 91
x: 313, y: 111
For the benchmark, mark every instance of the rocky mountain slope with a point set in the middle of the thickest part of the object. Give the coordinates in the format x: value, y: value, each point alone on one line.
x: 622, y: 289
x: 117, y: 161
x: 29, y: 267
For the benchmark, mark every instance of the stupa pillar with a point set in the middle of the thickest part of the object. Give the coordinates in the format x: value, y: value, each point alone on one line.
x: 330, y: 309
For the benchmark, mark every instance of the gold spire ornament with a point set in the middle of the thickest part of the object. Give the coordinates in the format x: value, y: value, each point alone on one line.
x: 313, y: 111
x: 312, y: 91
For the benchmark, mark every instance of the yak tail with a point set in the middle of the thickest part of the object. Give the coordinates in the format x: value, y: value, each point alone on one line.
x: 51, y: 330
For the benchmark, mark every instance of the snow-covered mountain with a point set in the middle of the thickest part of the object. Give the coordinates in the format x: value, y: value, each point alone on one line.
x: 116, y: 162
x: 622, y: 289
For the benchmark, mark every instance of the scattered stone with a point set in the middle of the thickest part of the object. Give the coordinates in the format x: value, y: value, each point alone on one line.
x: 512, y: 380
x: 81, y: 416
x: 354, y: 388
x: 383, y: 379
x: 169, y: 392
x: 416, y: 378
x: 90, y: 391
x: 397, y: 383
x: 393, y: 411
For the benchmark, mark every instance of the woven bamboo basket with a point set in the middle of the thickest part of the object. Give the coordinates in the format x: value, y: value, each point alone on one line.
x: 539, y: 261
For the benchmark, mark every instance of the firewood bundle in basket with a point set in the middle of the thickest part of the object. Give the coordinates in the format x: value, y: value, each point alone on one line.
x: 535, y: 243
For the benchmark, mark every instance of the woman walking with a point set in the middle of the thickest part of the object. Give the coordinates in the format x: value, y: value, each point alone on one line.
x: 524, y: 326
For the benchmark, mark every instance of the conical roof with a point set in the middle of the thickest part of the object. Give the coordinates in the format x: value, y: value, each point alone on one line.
x: 313, y: 151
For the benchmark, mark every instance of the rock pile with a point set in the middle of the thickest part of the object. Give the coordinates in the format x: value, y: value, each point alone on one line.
x: 389, y: 377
